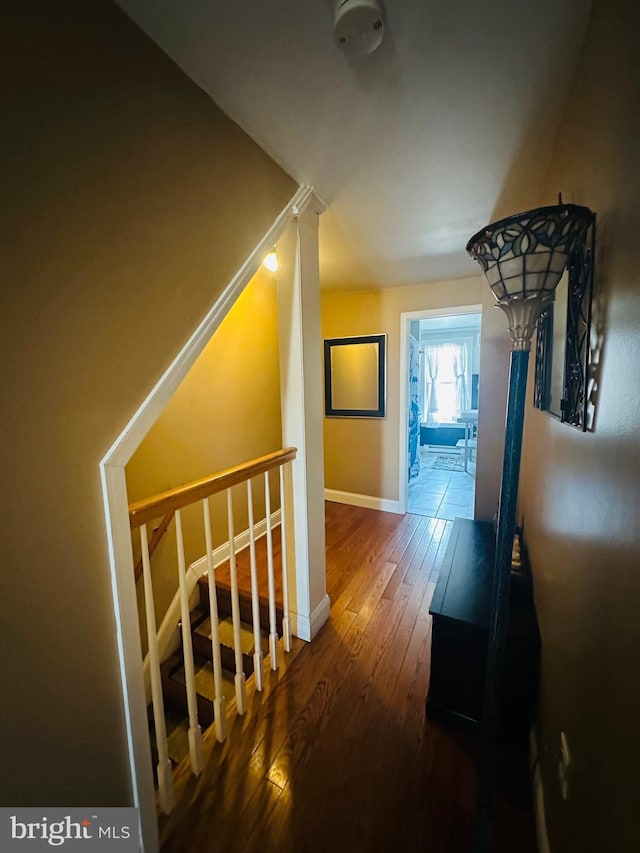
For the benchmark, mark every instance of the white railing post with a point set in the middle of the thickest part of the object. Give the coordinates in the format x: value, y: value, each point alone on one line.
x: 286, y: 506
x: 255, y: 600
x: 273, y: 628
x: 195, y: 735
x: 165, y: 774
x: 219, y: 702
x: 239, y: 680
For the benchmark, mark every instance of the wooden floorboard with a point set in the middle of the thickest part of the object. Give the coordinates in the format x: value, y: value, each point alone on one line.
x: 337, y: 755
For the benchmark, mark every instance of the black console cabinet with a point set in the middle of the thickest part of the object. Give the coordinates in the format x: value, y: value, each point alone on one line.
x: 460, y: 608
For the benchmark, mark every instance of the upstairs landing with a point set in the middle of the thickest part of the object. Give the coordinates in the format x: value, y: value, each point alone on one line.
x: 337, y: 754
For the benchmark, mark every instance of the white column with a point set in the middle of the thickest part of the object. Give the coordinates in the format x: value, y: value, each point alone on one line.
x: 301, y: 394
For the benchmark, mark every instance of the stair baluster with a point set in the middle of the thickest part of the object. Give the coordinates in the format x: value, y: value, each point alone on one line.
x: 219, y: 702
x: 255, y: 601
x: 195, y: 735
x: 273, y: 628
x: 286, y: 506
x: 239, y: 680
x: 165, y: 772
x: 169, y: 678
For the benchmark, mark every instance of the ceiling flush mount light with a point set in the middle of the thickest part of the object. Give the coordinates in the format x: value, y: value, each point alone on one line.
x: 523, y: 258
x: 271, y: 262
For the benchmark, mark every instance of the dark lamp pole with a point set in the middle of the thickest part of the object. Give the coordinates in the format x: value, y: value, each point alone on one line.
x: 523, y: 258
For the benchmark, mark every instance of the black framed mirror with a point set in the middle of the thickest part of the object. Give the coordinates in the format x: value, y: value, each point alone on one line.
x: 563, y: 340
x: 354, y: 377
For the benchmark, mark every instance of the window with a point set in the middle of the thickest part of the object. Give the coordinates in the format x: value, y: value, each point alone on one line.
x: 446, y: 377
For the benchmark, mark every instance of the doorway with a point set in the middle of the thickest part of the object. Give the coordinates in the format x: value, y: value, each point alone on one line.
x: 440, y: 377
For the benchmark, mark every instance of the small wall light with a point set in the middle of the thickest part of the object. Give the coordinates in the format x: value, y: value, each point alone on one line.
x: 271, y: 262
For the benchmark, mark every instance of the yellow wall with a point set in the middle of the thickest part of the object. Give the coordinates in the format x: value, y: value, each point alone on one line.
x: 580, y: 492
x: 362, y: 455
x: 226, y: 411
x: 128, y: 202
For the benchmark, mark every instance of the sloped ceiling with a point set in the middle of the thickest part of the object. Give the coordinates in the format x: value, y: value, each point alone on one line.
x: 449, y: 125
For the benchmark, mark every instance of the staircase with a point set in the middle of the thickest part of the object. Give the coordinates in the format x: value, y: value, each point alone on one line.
x: 192, y: 688
x: 173, y: 673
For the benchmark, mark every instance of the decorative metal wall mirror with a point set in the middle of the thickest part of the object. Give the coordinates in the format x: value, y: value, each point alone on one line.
x: 354, y: 377
x: 563, y: 340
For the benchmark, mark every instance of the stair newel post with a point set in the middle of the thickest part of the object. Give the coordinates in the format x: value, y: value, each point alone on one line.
x: 255, y: 602
x: 239, y: 680
x: 219, y: 702
x: 195, y: 735
x: 286, y: 507
x: 273, y: 627
x: 165, y: 773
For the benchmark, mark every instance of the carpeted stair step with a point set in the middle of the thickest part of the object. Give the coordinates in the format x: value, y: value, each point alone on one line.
x: 201, y: 641
x: 172, y: 669
x: 177, y: 726
x: 174, y: 689
x: 244, y: 598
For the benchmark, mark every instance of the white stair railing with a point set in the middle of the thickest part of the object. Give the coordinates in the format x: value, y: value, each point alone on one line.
x: 219, y: 702
x: 195, y: 735
x: 168, y: 505
x: 286, y: 524
x: 273, y: 628
x: 165, y: 777
x: 255, y: 598
x: 239, y: 679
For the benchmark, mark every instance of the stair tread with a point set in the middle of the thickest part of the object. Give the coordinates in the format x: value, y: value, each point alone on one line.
x: 204, y: 680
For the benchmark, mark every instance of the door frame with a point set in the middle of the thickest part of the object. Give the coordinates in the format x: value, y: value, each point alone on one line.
x: 405, y: 318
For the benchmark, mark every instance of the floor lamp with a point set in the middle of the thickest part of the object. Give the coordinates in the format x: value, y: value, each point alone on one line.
x: 523, y: 258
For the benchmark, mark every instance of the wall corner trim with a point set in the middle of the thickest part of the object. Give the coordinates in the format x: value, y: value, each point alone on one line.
x: 367, y: 501
x: 306, y: 627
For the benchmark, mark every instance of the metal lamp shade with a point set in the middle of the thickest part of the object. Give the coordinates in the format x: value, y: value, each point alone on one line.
x: 524, y: 256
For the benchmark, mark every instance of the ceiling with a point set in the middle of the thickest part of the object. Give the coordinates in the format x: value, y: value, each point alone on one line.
x: 449, y: 125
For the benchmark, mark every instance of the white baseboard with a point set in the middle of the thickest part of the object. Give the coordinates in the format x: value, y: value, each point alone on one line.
x: 306, y: 627
x: 169, y: 634
x: 538, y: 794
x: 367, y: 501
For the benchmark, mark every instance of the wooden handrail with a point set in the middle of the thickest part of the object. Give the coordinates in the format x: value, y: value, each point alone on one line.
x: 146, y: 510
x: 158, y: 533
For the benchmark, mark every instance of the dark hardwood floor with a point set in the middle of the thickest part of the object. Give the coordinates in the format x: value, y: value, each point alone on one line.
x: 336, y: 754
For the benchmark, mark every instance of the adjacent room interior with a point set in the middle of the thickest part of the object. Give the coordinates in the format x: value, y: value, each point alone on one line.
x: 444, y: 374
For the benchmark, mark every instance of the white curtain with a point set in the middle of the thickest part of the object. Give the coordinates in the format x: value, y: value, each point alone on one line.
x: 432, y: 359
x: 460, y: 361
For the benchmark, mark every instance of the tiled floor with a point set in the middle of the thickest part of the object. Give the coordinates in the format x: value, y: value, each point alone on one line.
x: 442, y: 494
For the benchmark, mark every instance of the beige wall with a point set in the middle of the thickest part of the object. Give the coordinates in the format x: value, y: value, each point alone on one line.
x: 128, y: 202
x: 580, y: 492
x: 225, y: 412
x: 362, y: 456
